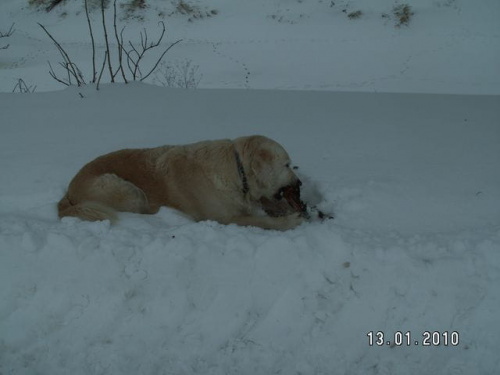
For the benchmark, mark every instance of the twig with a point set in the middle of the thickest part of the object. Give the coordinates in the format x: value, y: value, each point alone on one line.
x: 102, y: 70
x: 107, y: 42
x: 8, y: 33
x: 119, y: 41
x: 53, y: 75
x: 68, y: 64
x: 93, y: 42
x: 134, y: 55
x: 159, y: 60
x: 65, y: 66
x: 23, y: 88
x: 134, y: 64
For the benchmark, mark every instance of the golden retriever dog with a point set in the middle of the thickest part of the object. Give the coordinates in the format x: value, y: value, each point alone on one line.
x: 229, y: 181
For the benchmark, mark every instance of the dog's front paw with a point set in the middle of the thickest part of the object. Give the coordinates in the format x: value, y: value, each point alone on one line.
x: 267, y: 222
x: 290, y: 221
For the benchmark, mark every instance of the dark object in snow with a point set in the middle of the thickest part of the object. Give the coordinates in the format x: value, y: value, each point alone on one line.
x: 322, y: 215
x: 52, y: 5
x: 285, y: 202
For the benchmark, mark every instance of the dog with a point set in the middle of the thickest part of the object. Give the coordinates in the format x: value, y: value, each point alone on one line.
x: 227, y: 181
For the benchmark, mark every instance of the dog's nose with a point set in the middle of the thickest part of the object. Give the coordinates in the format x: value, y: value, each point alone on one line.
x: 299, y: 182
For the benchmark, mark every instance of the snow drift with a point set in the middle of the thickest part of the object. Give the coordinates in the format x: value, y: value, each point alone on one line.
x: 415, y: 244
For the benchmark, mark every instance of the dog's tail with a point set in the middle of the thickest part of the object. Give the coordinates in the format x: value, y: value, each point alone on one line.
x: 87, y: 210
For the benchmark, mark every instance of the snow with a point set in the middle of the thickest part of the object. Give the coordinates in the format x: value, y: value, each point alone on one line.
x: 449, y: 46
x: 410, y: 175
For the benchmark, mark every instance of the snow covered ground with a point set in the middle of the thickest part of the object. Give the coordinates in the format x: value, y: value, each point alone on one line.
x: 411, y: 178
x: 449, y: 46
x: 415, y: 245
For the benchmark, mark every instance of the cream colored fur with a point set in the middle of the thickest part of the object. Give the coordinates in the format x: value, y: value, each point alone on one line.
x: 199, y: 179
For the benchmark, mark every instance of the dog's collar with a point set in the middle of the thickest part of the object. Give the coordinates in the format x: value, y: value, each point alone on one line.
x: 241, y: 172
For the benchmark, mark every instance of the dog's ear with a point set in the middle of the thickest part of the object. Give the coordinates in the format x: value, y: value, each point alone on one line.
x: 264, y: 156
x: 261, y: 165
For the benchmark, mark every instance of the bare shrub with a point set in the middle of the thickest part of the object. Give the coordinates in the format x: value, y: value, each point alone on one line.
x: 133, y: 54
x: 73, y: 72
x: 403, y: 14
x: 23, y: 88
x: 137, y: 52
x: 7, y: 34
x: 179, y: 75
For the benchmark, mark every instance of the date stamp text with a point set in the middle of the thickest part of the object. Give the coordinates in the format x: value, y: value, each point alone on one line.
x: 406, y: 338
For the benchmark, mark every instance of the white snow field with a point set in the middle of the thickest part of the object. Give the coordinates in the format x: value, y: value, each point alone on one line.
x: 395, y: 130
x: 449, y: 46
x: 415, y: 245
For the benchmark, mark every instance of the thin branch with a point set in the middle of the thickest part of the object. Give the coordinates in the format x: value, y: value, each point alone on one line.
x: 159, y: 60
x: 23, y: 88
x: 144, y: 41
x: 8, y: 33
x: 53, y: 75
x: 137, y: 62
x: 71, y: 68
x: 68, y: 64
x: 78, y: 72
x: 134, y: 54
x: 102, y: 70
x: 134, y: 62
x: 161, y: 36
x: 65, y: 66
x: 129, y: 60
x: 93, y: 42
x: 119, y: 41
x: 107, y: 42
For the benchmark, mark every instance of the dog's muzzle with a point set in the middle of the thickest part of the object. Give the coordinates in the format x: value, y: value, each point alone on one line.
x: 279, y: 195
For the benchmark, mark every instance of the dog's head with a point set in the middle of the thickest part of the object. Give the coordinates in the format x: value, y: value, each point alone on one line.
x: 268, y: 167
